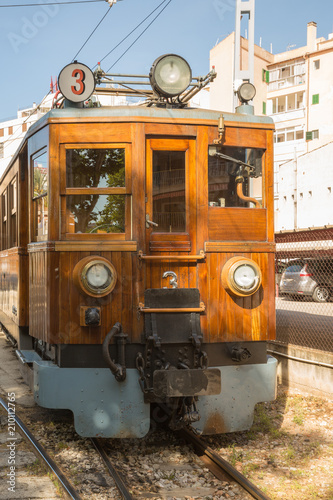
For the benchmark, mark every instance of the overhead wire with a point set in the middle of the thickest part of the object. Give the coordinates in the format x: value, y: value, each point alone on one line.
x: 91, y: 34
x: 130, y: 33
x: 122, y: 55
x: 51, y: 3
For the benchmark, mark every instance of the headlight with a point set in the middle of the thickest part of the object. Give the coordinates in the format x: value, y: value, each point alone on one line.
x: 170, y: 75
x: 246, y: 92
x: 241, y: 276
x: 95, y: 276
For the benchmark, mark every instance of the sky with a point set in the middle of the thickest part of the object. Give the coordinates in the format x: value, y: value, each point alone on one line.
x: 37, y: 42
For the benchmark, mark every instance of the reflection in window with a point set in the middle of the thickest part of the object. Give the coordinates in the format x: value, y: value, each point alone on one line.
x: 40, y: 175
x: 95, y: 168
x: 41, y: 216
x: 169, y: 191
x: 93, y: 213
x: 39, y: 195
x: 222, y: 174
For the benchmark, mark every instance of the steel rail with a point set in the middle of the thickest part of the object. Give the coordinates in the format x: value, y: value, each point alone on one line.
x: 65, y: 483
x: 123, y: 489
x: 223, y: 464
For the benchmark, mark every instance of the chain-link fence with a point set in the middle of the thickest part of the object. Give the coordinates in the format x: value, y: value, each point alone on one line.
x: 304, y: 288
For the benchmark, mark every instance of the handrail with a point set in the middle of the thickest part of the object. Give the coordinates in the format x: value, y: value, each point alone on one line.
x: 144, y: 309
x: 187, y: 258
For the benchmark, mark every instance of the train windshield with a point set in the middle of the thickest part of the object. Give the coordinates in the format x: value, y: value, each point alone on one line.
x: 232, y: 167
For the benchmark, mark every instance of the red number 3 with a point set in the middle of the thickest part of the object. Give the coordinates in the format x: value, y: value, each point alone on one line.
x: 80, y: 81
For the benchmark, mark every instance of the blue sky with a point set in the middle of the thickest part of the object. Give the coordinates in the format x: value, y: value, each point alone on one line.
x: 37, y: 42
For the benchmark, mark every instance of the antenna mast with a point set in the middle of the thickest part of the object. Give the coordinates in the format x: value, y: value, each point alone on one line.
x: 240, y: 75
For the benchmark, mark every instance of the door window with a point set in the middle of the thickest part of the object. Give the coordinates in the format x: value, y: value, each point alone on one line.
x: 169, y: 201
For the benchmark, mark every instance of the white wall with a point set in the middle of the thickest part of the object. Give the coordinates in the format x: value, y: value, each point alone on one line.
x: 312, y: 189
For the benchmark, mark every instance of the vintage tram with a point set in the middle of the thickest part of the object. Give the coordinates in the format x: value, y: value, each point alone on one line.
x: 137, y: 262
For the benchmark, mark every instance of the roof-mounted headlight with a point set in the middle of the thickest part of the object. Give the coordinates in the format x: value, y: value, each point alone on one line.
x: 246, y: 92
x: 170, y: 75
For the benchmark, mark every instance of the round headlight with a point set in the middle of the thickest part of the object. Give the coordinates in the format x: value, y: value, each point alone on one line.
x: 246, y: 92
x: 241, y: 276
x: 170, y: 75
x: 95, y: 276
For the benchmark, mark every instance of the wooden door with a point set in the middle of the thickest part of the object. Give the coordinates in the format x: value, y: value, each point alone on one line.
x: 170, y: 217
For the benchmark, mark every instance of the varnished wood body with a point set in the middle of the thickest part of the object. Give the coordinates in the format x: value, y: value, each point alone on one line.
x: 51, y: 303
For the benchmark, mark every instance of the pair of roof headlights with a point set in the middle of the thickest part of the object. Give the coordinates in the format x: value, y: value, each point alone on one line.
x: 170, y: 75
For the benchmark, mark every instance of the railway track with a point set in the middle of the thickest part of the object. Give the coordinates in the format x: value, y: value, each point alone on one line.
x: 219, y: 467
x: 211, y: 461
x: 40, y: 451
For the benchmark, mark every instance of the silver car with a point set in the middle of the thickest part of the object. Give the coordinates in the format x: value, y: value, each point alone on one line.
x: 308, y: 277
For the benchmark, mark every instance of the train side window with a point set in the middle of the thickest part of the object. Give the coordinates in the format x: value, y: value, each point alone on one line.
x: 225, y: 173
x: 12, y: 212
x: 4, y: 245
x: 40, y: 195
x: 96, y: 191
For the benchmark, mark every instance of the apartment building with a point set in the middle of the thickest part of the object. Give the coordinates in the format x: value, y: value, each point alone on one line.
x: 12, y: 130
x: 296, y: 89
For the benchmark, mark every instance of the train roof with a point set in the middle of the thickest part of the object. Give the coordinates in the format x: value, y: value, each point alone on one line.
x: 188, y: 115
x: 130, y: 112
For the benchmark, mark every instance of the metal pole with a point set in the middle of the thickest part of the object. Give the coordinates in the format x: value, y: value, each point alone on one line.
x: 240, y: 74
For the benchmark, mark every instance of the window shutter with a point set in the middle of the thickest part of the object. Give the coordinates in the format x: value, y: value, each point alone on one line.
x: 267, y: 76
x: 263, y: 75
x: 263, y: 108
x: 315, y: 99
x: 308, y: 136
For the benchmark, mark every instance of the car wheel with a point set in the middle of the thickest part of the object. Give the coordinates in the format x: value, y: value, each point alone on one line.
x: 321, y: 294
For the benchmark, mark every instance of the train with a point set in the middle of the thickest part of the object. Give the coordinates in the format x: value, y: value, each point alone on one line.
x: 137, y: 256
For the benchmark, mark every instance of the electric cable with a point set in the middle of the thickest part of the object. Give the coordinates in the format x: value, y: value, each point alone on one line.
x: 51, y: 3
x: 129, y: 34
x: 122, y: 55
x: 91, y: 34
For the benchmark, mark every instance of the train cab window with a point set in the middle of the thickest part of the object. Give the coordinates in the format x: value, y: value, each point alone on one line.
x: 40, y: 195
x: 169, y: 202
x: 96, y: 191
x: 233, y: 166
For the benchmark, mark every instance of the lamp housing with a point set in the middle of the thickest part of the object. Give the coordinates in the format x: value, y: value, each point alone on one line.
x: 170, y: 75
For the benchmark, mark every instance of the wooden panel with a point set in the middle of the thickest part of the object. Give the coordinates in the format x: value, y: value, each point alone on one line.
x: 202, y: 215
x: 165, y: 242
x: 94, y: 246
x: 237, y: 224
x: 138, y: 222
x: 13, y: 285
x: 235, y: 246
x: 79, y: 132
x: 231, y: 318
x: 245, y: 137
x: 170, y: 130
x: 269, y: 172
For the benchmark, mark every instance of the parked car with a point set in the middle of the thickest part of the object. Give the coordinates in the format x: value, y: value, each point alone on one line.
x: 308, y: 277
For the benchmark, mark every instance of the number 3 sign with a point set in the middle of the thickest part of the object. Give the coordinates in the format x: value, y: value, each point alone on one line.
x: 76, y: 82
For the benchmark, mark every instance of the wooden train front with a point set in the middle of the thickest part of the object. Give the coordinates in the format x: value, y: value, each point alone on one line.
x: 133, y: 219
